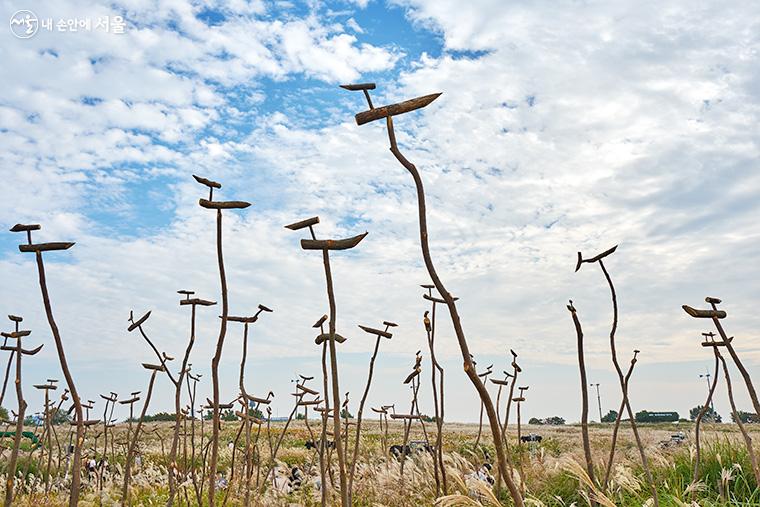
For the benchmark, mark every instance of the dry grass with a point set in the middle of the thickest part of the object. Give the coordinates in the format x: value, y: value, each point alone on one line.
x: 552, y: 474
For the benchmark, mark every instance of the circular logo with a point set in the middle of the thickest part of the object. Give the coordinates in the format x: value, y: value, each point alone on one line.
x: 24, y: 24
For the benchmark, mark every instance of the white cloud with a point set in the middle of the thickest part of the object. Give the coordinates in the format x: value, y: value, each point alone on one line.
x: 353, y: 25
x: 580, y: 126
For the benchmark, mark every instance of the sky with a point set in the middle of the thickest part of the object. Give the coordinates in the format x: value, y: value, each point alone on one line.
x: 563, y: 126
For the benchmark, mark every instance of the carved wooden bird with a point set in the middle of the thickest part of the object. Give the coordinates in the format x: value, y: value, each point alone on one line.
x: 416, y: 370
x: 426, y: 320
x: 487, y: 372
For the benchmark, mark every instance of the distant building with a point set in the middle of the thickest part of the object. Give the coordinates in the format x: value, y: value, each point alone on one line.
x: 654, y: 417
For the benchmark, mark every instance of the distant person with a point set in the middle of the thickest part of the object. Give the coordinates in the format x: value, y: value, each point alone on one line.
x: 92, y: 467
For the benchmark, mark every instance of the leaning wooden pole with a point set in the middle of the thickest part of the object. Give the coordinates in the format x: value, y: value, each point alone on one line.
x: 584, y: 395
x: 21, y: 411
x: 616, y: 428
x: 193, y: 302
x: 735, y: 412
x: 7, y: 374
x: 698, y: 422
x: 133, y: 444
x: 355, y: 458
x: 38, y: 249
x: 387, y: 113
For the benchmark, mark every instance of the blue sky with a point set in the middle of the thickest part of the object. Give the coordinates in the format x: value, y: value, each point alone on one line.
x: 562, y: 127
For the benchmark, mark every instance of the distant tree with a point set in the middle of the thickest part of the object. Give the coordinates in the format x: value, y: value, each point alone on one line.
x: 710, y: 415
x: 746, y: 417
x: 3, y: 414
x: 428, y: 418
x: 31, y: 420
x: 300, y: 417
x: 610, y: 417
x: 345, y: 414
x: 225, y: 415
x: 535, y: 420
x: 61, y: 417
x: 255, y: 412
x: 159, y: 416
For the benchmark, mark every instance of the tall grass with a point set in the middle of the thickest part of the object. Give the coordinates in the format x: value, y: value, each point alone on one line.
x: 552, y: 474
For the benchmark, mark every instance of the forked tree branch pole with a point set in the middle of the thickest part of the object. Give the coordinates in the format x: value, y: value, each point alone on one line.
x: 621, y: 378
x: 615, y: 430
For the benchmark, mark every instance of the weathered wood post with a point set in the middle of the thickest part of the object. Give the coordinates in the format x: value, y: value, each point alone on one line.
x: 386, y: 113
x: 37, y: 249
x: 20, y: 351
x: 325, y: 246
x: 218, y: 206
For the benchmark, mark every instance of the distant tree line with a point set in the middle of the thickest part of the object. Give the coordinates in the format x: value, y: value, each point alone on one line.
x: 746, y: 417
x: 225, y: 415
x: 710, y: 414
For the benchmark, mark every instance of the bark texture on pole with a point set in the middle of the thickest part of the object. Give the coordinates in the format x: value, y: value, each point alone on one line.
x: 335, y: 387
x: 615, y: 430
x: 359, y: 419
x: 76, y: 465
x: 735, y: 412
x: 436, y: 368
x: 584, y: 394
x: 624, y: 387
x: 469, y: 368
x: 11, y: 473
x: 215, y: 362
x: 178, y: 416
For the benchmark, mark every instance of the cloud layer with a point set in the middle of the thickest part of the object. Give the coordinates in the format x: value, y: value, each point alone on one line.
x: 562, y: 127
